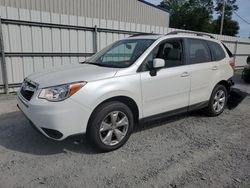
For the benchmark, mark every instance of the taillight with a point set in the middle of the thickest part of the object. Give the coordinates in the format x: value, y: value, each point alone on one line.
x: 232, y: 63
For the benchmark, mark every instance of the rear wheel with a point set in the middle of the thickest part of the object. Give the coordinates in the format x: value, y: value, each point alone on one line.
x: 218, y: 101
x: 110, y: 126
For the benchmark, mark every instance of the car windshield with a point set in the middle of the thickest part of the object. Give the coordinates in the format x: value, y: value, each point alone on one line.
x: 120, y: 54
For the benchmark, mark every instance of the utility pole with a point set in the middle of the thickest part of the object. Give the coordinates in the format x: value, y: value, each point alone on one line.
x: 222, y: 16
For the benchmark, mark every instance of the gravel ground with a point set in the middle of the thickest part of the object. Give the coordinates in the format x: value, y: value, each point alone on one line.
x: 190, y: 150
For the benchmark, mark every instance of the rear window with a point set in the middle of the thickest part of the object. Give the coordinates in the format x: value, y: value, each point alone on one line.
x: 228, y: 51
x: 198, y: 51
x: 217, y: 51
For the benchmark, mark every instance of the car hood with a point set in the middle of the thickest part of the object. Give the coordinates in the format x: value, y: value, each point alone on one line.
x: 71, y: 73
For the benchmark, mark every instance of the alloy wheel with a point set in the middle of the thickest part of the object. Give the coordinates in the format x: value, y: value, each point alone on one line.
x: 219, y: 101
x: 114, y: 128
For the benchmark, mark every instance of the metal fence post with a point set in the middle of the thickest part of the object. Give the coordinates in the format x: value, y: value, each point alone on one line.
x: 235, y: 49
x: 95, y: 39
x: 3, y: 62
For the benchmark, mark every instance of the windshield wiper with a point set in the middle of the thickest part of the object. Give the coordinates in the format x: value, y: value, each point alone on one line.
x: 97, y: 64
x: 102, y: 65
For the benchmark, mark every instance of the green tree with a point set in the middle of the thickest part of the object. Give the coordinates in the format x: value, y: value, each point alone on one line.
x: 193, y: 15
x: 230, y: 27
x: 197, y: 15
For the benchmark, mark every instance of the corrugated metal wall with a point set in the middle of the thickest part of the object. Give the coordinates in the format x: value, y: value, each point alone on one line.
x: 120, y: 10
x: 34, y: 39
x: 20, y: 39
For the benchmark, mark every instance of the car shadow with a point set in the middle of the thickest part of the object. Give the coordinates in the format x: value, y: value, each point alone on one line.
x: 235, y: 98
x: 141, y: 126
x: 17, y: 134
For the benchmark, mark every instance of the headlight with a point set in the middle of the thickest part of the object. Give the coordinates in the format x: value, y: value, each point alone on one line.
x: 62, y: 92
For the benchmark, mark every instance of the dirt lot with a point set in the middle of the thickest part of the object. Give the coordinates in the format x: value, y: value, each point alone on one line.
x: 190, y: 150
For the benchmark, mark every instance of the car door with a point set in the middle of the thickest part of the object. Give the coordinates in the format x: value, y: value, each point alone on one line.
x: 202, y: 69
x: 169, y: 89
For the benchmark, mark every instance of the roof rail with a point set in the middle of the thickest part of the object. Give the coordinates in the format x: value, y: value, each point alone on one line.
x: 190, y: 32
x: 141, y: 34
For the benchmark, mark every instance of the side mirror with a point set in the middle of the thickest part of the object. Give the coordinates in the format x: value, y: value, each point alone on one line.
x: 157, y: 64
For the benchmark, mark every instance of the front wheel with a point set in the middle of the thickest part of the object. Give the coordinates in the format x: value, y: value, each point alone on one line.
x: 218, y: 101
x: 110, y: 126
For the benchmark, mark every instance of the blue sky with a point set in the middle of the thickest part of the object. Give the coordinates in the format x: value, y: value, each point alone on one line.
x: 244, y: 11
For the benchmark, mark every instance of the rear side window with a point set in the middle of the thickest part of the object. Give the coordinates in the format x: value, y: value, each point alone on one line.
x: 228, y: 51
x: 198, y: 51
x: 216, y: 50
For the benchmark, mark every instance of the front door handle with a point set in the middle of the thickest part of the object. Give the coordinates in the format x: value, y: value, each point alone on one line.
x: 185, y: 74
x: 215, y: 68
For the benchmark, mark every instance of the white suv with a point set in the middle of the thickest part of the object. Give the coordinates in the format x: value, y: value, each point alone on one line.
x: 138, y: 78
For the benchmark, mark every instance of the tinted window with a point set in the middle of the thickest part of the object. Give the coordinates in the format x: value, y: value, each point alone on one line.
x: 217, y: 51
x: 170, y: 51
x: 198, y: 51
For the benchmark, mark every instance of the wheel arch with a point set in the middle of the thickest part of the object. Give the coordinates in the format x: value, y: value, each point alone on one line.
x: 224, y: 83
x: 123, y: 99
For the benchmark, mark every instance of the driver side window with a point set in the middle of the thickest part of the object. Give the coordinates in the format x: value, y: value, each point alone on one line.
x: 171, y: 51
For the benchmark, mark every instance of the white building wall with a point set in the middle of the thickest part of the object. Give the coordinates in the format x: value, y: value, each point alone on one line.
x: 120, y: 10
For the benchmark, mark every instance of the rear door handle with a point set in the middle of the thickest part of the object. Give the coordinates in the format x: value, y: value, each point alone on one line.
x: 185, y: 74
x: 215, y: 68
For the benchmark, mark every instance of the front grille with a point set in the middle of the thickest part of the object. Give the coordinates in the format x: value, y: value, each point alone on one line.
x: 28, y: 89
x: 26, y: 94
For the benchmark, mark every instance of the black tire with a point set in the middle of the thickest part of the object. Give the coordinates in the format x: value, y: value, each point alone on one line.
x: 246, y: 75
x: 94, y: 125
x: 210, y: 111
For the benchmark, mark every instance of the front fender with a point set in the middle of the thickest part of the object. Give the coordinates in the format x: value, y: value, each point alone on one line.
x: 94, y: 93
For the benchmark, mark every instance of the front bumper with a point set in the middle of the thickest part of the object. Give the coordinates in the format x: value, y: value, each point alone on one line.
x: 55, y: 120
